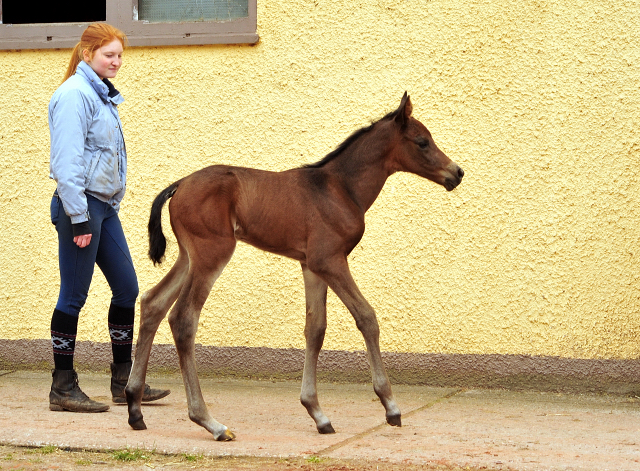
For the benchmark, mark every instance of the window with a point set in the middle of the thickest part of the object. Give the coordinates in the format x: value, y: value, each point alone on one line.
x: 18, y: 13
x: 59, y: 24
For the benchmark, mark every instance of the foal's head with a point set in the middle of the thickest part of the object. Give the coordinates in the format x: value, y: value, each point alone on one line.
x: 416, y: 152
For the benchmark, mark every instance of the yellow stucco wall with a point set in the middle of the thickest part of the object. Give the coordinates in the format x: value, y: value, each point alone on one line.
x: 535, y: 253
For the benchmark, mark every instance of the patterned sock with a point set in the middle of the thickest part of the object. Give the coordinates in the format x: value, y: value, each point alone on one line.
x: 121, y: 332
x: 63, y: 339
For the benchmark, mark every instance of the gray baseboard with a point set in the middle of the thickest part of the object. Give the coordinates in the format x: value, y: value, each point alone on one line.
x: 515, y: 372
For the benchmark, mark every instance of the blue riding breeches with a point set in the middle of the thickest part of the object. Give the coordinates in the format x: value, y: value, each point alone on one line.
x: 108, y: 249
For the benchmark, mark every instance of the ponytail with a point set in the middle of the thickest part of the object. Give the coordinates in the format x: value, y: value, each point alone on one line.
x: 94, y: 37
x: 76, y: 57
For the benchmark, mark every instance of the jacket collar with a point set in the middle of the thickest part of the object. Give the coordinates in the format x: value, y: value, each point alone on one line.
x: 104, y: 88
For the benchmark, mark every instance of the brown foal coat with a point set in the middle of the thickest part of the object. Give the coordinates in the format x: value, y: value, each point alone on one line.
x: 314, y: 214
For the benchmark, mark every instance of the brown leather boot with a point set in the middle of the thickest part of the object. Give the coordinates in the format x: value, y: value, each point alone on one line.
x: 66, y: 394
x: 119, y: 377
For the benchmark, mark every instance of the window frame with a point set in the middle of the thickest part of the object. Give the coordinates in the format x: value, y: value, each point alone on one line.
x: 120, y: 13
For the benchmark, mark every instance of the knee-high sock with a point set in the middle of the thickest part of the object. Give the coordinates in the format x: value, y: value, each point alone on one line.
x: 63, y: 339
x: 121, y: 332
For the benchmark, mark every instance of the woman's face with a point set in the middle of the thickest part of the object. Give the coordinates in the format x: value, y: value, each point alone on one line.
x: 106, y: 61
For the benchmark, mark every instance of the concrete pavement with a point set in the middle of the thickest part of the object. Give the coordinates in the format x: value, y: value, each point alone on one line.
x: 493, y: 428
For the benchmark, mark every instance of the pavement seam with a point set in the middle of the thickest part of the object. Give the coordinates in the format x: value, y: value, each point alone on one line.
x: 363, y: 434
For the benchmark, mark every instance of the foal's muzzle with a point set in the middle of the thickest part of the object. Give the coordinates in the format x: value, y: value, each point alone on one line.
x: 453, y: 176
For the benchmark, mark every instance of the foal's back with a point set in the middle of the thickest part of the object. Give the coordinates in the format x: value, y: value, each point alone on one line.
x: 273, y: 211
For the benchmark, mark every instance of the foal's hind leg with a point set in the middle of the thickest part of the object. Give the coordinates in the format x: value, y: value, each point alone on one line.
x: 336, y: 273
x: 184, y: 325
x: 315, y: 327
x: 153, y: 308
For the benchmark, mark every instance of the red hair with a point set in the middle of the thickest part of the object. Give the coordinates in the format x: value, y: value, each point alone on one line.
x: 94, y: 37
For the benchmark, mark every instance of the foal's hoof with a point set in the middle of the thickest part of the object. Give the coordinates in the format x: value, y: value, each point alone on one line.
x: 226, y: 436
x: 394, y: 420
x: 138, y: 424
x: 327, y: 428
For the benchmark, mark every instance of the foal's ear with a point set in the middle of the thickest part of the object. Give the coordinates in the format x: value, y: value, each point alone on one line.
x: 404, y: 110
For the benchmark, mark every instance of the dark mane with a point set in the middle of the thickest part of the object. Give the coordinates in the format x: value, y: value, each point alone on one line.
x: 347, y: 142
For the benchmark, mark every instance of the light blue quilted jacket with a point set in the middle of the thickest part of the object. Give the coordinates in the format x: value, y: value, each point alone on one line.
x: 88, y: 155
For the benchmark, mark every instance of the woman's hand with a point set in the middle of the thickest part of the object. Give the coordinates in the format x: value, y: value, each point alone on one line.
x: 81, y: 234
x: 82, y: 240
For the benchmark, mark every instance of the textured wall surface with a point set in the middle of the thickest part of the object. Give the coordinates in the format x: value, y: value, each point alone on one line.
x: 536, y: 253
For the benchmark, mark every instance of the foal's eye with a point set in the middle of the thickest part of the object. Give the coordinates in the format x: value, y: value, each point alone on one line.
x: 423, y: 143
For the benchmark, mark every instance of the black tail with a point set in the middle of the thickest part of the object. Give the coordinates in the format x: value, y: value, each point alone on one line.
x: 157, y: 241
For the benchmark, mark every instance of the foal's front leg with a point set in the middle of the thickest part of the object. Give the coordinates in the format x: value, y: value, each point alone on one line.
x: 314, y: 330
x: 341, y: 282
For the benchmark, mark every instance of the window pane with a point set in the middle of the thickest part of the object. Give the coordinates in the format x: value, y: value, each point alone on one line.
x: 63, y: 11
x: 165, y: 11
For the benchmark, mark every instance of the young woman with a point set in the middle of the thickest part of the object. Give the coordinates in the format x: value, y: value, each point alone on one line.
x: 89, y: 165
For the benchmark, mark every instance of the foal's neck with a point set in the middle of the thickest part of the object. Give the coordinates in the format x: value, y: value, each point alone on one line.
x: 363, y: 167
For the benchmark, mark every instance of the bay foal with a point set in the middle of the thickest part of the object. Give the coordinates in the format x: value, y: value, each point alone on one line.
x: 314, y: 214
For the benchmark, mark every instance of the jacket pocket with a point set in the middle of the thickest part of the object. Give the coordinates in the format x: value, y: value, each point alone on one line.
x: 95, y: 159
x: 103, y: 177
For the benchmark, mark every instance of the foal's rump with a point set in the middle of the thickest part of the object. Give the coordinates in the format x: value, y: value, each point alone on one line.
x: 268, y: 210
x: 188, y: 196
